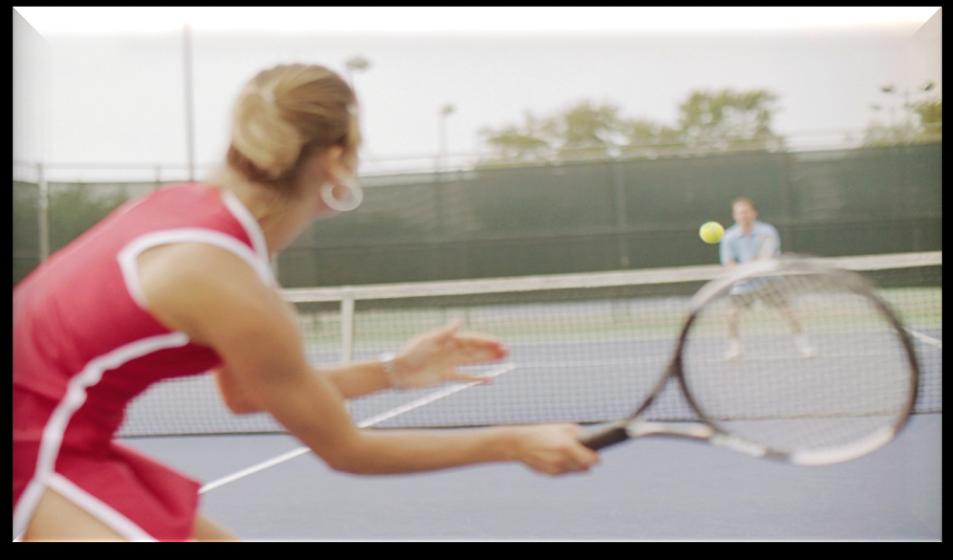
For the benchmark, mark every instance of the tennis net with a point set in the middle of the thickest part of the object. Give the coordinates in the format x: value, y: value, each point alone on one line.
x: 585, y: 347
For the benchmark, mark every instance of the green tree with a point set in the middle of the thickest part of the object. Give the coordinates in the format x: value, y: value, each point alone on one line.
x: 583, y: 130
x: 587, y: 130
x: 931, y: 116
x: 26, y: 252
x: 727, y: 119
x: 645, y: 134
x: 715, y: 120
x: 526, y: 142
x: 74, y: 208
x: 905, y: 117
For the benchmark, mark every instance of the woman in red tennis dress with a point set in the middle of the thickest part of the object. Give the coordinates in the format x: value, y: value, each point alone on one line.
x: 178, y: 283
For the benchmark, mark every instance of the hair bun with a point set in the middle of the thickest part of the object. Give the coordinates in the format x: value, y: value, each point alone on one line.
x: 286, y: 110
x: 264, y: 137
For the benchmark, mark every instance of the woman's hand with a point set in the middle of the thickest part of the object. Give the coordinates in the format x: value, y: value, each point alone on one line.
x: 553, y: 449
x: 432, y: 358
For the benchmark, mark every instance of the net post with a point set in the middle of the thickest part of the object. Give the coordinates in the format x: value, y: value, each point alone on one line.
x: 347, y: 327
x: 43, y: 209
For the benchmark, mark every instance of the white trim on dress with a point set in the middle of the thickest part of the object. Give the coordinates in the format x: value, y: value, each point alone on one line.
x: 128, y: 255
x: 56, y: 426
x: 245, y: 218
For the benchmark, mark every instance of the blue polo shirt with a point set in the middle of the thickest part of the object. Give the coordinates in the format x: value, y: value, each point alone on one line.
x: 743, y: 248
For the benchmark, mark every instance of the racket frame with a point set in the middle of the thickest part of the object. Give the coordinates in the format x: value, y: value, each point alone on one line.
x: 709, y: 431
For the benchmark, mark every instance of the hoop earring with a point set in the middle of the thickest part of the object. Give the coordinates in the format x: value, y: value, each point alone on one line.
x: 346, y: 205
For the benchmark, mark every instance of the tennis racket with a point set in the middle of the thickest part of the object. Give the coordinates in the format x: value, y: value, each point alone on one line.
x: 768, y: 247
x: 852, y: 396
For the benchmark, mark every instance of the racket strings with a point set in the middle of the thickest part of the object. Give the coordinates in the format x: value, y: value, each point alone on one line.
x: 820, y: 365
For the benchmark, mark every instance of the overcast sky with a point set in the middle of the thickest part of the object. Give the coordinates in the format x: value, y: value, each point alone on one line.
x: 115, y: 81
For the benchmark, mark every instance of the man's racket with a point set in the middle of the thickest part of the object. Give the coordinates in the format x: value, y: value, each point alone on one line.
x: 849, y: 399
x: 768, y: 247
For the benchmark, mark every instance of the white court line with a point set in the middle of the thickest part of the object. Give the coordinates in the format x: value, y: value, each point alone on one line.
x: 928, y: 339
x: 364, y: 424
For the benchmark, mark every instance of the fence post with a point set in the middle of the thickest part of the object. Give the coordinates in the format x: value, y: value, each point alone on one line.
x: 43, y: 213
x: 788, y: 199
x: 621, y: 226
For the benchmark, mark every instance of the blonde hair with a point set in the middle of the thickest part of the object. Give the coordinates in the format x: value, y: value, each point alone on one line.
x: 287, y: 113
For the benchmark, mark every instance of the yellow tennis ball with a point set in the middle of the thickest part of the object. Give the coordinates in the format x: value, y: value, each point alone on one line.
x: 711, y: 232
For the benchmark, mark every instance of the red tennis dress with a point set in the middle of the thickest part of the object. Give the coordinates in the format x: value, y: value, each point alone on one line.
x: 84, y: 346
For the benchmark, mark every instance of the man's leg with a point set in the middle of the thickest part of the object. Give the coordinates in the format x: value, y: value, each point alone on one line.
x: 734, y: 343
x: 800, y: 339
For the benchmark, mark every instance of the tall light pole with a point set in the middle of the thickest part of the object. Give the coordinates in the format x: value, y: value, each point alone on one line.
x: 189, y: 126
x: 355, y: 64
x: 445, y: 112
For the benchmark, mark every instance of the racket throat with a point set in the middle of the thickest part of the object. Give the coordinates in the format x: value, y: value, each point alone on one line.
x: 700, y: 433
x: 672, y: 429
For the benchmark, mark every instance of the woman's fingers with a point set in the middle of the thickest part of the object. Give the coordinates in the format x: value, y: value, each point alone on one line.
x: 475, y: 347
x: 448, y: 332
x: 455, y: 375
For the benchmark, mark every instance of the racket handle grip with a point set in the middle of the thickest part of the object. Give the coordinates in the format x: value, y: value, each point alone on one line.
x: 610, y: 435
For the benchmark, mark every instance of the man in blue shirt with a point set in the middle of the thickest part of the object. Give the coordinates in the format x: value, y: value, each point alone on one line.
x: 744, y: 242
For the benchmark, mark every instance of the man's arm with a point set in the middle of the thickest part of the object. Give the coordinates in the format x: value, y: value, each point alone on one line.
x: 724, y: 250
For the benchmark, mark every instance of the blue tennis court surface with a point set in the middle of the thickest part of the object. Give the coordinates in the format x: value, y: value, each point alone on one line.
x: 579, y: 362
x: 646, y: 490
